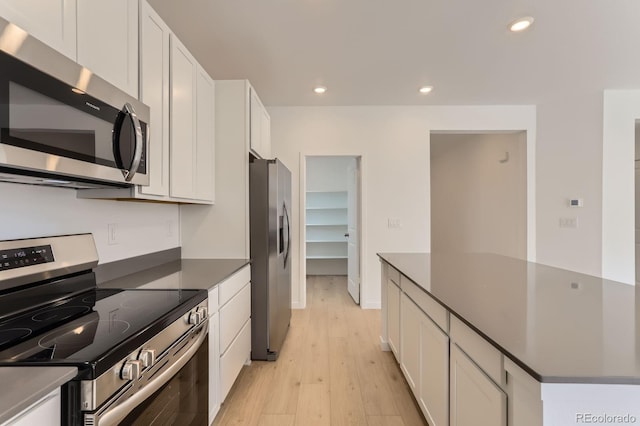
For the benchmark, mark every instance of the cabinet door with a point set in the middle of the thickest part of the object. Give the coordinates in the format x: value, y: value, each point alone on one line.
x: 44, y: 412
x: 410, y: 319
x: 434, y: 373
x: 108, y: 41
x: 393, y: 317
x: 53, y: 22
x: 183, y: 115
x: 475, y: 399
x: 255, y: 118
x: 205, y: 137
x: 265, y: 134
x: 154, y: 91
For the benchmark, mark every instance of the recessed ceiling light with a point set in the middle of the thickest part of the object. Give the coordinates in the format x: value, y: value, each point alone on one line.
x: 426, y: 89
x: 521, y: 24
x: 320, y: 90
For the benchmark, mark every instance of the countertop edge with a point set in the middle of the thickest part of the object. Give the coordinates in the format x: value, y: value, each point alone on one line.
x: 30, y: 390
x: 548, y: 379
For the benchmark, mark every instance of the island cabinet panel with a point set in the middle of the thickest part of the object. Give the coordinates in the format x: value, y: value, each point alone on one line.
x: 524, y: 397
x: 479, y: 350
x: 433, y: 397
x: 393, y: 317
x: 474, y: 399
x: 410, y: 318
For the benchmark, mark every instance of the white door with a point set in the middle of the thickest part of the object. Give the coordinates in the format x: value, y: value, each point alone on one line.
x: 353, y: 239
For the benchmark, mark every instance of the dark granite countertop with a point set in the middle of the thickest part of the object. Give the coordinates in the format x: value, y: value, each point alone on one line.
x: 180, y: 274
x: 559, y: 326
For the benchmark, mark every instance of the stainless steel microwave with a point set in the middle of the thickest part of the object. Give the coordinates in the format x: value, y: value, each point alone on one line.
x: 62, y: 125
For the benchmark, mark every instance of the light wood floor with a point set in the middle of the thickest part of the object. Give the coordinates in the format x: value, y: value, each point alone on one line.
x: 331, y: 371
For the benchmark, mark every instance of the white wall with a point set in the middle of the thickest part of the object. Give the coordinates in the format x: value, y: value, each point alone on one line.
x: 393, y: 142
x: 621, y: 110
x: 327, y: 173
x: 33, y: 211
x: 478, y: 194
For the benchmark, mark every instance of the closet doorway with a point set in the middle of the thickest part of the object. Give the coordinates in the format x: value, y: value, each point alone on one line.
x: 332, y: 219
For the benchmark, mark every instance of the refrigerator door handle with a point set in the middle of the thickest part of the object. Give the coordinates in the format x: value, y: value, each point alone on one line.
x: 288, y: 237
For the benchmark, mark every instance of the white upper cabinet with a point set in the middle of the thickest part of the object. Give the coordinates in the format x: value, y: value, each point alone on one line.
x: 184, y: 70
x: 53, y: 21
x: 154, y: 91
x: 260, y: 128
x: 108, y: 40
x: 205, y: 137
x: 180, y: 95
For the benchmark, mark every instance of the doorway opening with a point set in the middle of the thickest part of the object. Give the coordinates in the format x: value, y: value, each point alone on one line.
x: 479, y: 193
x: 332, y: 219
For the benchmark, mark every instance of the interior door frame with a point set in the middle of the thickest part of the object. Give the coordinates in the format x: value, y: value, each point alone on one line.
x: 302, y: 234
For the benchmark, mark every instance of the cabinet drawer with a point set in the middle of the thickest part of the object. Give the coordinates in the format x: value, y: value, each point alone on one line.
x: 232, y: 285
x: 213, y: 300
x: 233, y: 315
x: 487, y: 357
x: 232, y: 361
x: 436, y: 311
x: 394, y: 275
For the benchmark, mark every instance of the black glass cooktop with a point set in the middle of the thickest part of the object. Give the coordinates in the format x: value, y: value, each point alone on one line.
x: 92, y: 330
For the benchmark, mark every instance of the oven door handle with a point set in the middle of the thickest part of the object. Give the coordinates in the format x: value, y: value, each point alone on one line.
x: 114, y: 415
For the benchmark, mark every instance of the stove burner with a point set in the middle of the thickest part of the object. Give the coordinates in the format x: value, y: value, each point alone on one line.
x: 60, y: 313
x: 12, y: 334
x: 77, y: 335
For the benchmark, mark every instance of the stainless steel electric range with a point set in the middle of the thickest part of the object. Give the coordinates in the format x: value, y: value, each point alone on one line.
x: 141, y: 354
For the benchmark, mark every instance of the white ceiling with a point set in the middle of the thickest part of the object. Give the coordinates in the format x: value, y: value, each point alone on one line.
x: 379, y: 52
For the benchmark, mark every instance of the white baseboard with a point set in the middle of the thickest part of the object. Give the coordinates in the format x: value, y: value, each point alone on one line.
x: 371, y: 305
x: 297, y: 305
x: 384, y: 345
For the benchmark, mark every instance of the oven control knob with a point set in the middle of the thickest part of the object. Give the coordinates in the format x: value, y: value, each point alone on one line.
x: 195, y: 317
x: 131, y: 369
x: 147, y: 357
x: 203, y: 312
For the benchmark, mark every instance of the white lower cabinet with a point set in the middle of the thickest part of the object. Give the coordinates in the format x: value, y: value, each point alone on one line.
x: 46, y: 411
x: 433, y: 397
x: 393, y: 317
x: 424, y: 360
x: 410, y: 342
x: 474, y: 399
x: 229, y: 335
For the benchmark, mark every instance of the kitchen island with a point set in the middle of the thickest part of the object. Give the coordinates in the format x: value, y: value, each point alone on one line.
x: 487, y: 339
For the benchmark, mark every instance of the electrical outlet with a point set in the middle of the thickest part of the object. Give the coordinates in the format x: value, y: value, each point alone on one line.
x: 394, y: 223
x: 112, y: 234
x: 169, y: 228
x: 568, y: 222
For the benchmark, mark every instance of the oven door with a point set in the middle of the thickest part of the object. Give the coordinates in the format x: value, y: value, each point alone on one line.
x: 52, y: 127
x: 175, y: 391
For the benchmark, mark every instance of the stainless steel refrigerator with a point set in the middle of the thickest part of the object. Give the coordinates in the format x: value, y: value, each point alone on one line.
x: 270, y: 211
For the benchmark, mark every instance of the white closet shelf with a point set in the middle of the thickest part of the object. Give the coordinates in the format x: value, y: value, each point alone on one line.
x: 328, y: 240
x: 327, y: 257
x: 326, y: 224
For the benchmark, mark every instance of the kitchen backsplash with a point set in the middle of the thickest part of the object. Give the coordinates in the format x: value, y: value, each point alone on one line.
x: 121, y: 229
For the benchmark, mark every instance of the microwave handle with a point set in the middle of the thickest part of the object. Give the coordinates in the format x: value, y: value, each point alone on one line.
x: 137, y: 155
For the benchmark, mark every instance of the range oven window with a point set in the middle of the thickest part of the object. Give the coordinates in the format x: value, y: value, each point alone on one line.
x: 181, y: 401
